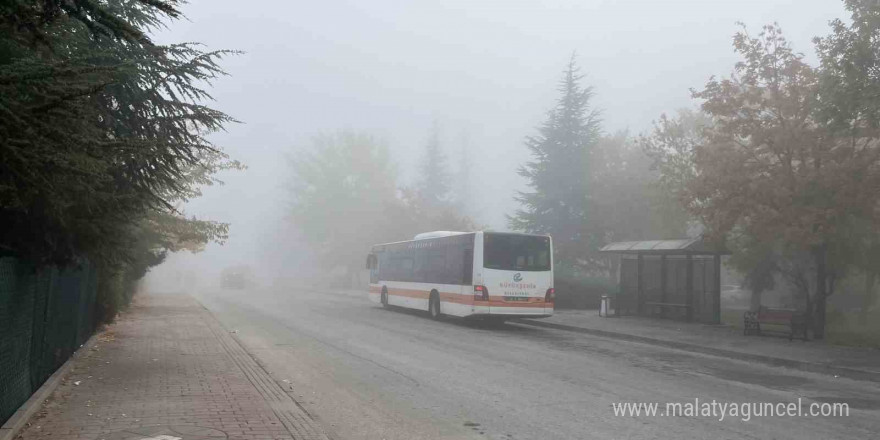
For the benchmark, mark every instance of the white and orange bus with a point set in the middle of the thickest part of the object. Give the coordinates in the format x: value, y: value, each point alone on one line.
x: 467, y: 274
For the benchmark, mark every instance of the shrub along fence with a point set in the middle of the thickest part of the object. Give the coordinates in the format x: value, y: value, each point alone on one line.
x: 45, y: 315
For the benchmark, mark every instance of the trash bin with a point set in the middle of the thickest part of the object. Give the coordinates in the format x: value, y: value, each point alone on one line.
x: 606, y: 307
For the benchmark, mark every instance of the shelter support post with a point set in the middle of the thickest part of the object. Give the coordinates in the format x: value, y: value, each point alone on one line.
x: 640, y: 285
x: 663, y: 279
x: 689, y: 287
x: 716, y: 287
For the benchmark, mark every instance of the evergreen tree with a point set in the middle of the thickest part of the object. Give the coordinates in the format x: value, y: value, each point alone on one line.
x: 103, y: 138
x: 103, y: 131
x: 433, y: 183
x: 462, y: 182
x: 560, y: 201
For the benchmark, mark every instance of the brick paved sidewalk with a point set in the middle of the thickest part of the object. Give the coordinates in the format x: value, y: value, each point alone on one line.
x: 168, y: 368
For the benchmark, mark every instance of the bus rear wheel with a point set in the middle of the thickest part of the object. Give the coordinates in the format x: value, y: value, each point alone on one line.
x: 434, y: 305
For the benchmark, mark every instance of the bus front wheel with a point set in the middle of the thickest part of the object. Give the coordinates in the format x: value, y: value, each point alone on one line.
x: 434, y: 305
x: 384, y: 298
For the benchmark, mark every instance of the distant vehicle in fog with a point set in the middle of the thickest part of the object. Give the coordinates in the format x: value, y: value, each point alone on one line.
x: 477, y: 274
x: 236, y: 277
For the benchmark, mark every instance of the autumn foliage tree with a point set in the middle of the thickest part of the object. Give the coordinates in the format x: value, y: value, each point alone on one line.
x: 849, y: 85
x: 343, y: 194
x: 788, y: 167
x: 345, y: 198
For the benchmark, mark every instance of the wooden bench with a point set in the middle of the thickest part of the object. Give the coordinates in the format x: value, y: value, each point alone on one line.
x: 794, y: 320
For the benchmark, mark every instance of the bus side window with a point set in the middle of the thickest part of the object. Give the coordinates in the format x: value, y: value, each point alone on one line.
x: 468, y: 274
x: 373, y: 266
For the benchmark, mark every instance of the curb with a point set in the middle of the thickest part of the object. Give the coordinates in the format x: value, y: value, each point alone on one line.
x: 812, y: 367
x: 20, y: 418
x: 296, y: 419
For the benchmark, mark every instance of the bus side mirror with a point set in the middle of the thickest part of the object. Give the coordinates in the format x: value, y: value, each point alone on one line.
x: 371, y: 261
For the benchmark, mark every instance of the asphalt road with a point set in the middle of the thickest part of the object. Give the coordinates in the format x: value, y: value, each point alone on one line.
x: 369, y: 373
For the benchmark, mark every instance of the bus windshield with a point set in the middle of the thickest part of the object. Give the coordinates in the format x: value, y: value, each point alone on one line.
x: 516, y: 252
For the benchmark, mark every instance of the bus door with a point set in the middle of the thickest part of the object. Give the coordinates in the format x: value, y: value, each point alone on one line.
x: 459, y: 269
x: 373, y: 266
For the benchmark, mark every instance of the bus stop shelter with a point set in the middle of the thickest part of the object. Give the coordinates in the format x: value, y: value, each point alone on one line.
x: 676, y: 279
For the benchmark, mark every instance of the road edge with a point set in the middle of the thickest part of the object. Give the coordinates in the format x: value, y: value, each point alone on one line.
x: 20, y: 418
x: 812, y: 367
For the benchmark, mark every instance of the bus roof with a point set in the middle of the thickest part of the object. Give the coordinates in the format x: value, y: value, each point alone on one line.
x: 441, y: 234
x: 436, y: 234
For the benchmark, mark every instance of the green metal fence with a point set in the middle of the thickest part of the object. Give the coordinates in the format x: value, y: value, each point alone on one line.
x: 45, y: 315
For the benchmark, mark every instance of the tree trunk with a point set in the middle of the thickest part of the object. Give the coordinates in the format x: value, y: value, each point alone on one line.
x: 799, y: 279
x: 868, y: 300
x: 821, y: 293
x: 756, y: 299
x: 809, y: 311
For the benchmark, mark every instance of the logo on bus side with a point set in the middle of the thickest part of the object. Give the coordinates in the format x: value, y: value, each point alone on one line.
x: 517, y: 277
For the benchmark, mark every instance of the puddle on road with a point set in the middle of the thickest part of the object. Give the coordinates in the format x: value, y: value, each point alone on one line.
x: 475, y: 426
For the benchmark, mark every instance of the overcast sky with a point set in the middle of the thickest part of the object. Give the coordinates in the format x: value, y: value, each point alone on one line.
x: 485, y: 68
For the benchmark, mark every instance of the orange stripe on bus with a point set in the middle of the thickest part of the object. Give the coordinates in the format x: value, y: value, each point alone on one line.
x: 467, y: 299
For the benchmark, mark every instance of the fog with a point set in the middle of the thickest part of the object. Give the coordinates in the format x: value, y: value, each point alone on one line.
x: 484, y: 70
